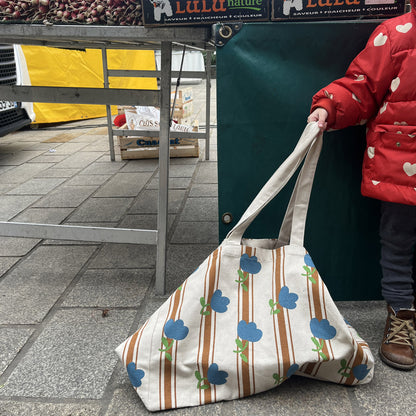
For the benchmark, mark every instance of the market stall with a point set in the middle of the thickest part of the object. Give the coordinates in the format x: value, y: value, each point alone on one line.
x: 104, y: 38
x: 264, y: 46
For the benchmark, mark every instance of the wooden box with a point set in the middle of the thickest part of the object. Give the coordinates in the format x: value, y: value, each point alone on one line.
x: 139, y: 147
x: 183, y: 105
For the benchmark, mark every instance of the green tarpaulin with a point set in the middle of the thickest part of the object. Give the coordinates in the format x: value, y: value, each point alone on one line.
x: 266, y: 76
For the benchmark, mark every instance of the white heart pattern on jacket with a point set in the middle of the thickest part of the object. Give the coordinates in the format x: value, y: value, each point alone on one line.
x: 409, y: 169
x: 404, y: 28
x: 371, y: 151
x: 395, y: 84
x: 380, y: 39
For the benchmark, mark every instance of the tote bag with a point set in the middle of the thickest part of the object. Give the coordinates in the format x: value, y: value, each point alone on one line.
x: 254, y: 313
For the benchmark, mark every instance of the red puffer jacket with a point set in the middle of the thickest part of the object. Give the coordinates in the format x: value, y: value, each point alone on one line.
x: 379, y: 89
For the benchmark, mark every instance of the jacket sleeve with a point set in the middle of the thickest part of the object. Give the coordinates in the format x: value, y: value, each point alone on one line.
x: 357, y: 96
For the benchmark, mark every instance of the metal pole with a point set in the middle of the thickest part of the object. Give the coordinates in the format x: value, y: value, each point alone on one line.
x: 208, y: 103
x: 162, y: 216
x: 108, y: 107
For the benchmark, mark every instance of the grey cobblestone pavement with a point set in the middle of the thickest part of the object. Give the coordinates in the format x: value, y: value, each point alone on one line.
x: 56, y: 347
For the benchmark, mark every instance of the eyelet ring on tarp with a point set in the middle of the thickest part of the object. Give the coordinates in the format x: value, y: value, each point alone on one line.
x: 227, y: 218
x: 224, y: 32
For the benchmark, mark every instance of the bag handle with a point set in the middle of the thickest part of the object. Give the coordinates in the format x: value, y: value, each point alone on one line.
x: 307, y: 143
x: 293, y: 224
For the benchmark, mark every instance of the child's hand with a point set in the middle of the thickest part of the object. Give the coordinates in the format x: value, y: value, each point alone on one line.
x: 320, y: 115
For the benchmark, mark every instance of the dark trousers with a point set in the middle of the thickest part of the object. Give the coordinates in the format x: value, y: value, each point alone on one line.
x: 398, y: 239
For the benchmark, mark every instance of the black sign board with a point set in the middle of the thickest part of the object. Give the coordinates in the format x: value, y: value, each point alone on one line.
x: 197, y: 12
x: 331, y: 9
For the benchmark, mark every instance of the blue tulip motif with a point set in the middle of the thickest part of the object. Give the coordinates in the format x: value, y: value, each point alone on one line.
x: 309, y: 268
x: 321, y: 330
x: 247, y: 332
x: 286, y: 300
x: 174, y: 330
x: 219, y: 303
x: 135, y: 375
x: 278, y: 379
x: 214, y: 376
x: 292, y: 370
x: 248, y: 265
x: 360, y: 371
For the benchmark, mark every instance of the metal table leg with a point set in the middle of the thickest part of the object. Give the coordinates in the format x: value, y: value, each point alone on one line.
x: 208, y: 103
x: 162, y: 216
x: 108, y: 106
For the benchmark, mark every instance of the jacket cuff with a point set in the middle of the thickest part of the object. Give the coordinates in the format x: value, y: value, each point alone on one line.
x: 329, y: 106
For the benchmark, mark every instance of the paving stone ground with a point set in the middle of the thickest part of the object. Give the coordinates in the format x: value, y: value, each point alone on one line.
x: 56, y: 347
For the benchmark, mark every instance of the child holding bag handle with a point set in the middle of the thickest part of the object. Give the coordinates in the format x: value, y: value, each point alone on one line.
x: 379, y: 89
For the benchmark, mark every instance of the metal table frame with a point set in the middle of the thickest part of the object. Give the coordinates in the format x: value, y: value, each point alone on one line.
x: 111, y: 37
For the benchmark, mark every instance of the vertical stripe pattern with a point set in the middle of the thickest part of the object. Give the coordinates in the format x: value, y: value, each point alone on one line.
x: 207, y: 326
x: 193, y: 350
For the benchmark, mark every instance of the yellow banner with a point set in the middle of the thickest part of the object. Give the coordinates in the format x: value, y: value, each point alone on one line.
x: 76, y: 68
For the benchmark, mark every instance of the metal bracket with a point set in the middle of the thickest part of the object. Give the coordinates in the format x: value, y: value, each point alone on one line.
x: 224, y: 32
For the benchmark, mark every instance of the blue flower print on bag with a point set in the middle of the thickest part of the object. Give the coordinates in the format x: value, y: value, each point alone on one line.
x: 214, y: 376
x: 218, y: 303
x: 309, y: 268
x: 308, y: 261
x: 360, y: 371
x: 247, y: 332
x: 175, y: 330
x: 286, y: 300
x: 135, y: 375
x: 248, y: 265
x: 321, y: 330
x: 290, y: 371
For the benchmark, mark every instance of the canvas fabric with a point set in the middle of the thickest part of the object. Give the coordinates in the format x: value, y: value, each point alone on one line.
x: 253, y: 314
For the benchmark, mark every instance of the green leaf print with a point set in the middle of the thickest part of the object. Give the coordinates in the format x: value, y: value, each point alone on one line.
x: 204, y: 305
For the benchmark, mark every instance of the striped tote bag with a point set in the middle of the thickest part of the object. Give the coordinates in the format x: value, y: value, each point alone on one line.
x: 253, y: 314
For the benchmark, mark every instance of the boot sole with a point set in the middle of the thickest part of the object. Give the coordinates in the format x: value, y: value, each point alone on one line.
x: 396, y: 365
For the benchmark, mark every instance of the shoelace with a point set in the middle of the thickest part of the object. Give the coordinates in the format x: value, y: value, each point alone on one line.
x: 401, y: 332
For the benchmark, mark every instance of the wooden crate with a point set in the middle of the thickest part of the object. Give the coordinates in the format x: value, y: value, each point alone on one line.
x: 148, y: 147
x: 183, y: 105
x: 139, y: 147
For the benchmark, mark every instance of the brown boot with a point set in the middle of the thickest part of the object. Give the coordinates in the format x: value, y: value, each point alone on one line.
x: 397, y: 348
